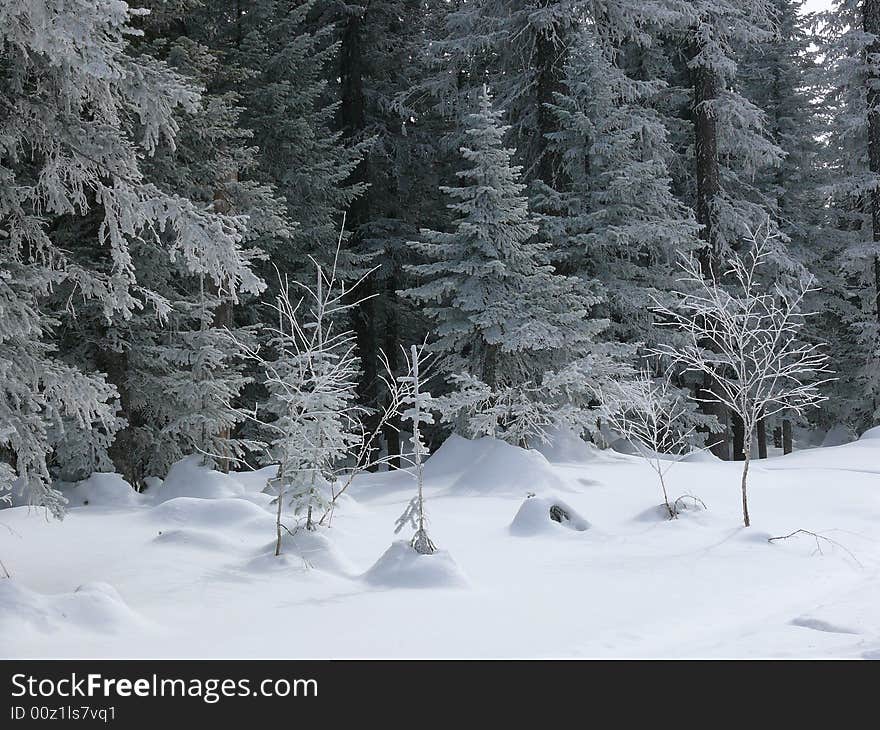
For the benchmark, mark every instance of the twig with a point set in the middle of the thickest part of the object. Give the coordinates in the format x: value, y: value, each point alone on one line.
x: 816, y: 536
x: 687, y: 496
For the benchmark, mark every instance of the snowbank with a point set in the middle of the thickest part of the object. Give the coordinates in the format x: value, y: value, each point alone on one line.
x: 96, y: 607
x: 209, y: 513
x: 102, y: 490
x: 541, y: 515
x: 872, y: 434
x: 564, y: 446
x: 838, y: 435
x: 190, y: 478
x: 488, y: 465
x: 402, y: 567
x: 700, y: 456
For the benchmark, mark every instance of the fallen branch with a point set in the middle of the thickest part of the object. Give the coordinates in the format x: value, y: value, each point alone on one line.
x: 816, y: 536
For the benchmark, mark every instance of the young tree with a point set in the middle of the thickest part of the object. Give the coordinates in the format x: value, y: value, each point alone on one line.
x: 748, y: 339
x: 311, y: 417
x: 656, y: 418
x: 419, y: 404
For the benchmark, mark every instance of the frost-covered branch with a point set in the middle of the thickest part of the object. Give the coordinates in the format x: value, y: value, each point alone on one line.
x: 746, y: 338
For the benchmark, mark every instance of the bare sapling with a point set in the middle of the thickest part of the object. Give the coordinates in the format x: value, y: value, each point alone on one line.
x: 747, y: 337
x: 653, y: 416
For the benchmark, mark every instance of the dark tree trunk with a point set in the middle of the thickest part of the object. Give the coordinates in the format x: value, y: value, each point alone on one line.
x: 124, y: 451
x: 871, y: 24
x: 787, y: 445
x: 762, y: 437
x: 705, y: 92
x: 739, y: 437
x: 549, y: 60
x: 392, y: 350
x: 223, y: 314
x: 352, y: 122
x: 705, y: 83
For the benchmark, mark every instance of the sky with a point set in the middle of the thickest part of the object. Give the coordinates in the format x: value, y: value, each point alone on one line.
x: 811, y: 6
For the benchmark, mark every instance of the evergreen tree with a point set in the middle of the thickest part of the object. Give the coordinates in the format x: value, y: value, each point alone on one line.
x: 81, y: 115
x: 501, y: 314
x: 851, y: 45
x: 616, y: 222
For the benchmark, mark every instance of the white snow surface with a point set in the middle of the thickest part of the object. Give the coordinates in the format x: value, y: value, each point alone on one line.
x: 187, y: 569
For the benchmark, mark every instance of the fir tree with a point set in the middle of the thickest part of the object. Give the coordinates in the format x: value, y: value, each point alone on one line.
x: 501, y: 314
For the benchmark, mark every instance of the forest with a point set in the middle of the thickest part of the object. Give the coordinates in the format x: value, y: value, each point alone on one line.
x: 594, y: 285
x: 515, y: 186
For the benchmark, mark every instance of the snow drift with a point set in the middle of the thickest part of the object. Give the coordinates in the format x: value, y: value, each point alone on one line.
x: 402, y: 567
x: 539, y: 515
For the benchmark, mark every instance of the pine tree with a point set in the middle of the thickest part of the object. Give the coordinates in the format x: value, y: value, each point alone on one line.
x: 80, y: 116
x: 852, y: 155
x: 616, y: 220
x: 500, y: 312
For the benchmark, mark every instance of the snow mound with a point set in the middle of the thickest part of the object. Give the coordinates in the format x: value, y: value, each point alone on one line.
x: 684, y: 505
x: 872, y: 434
x: 317, y: 551
x: 539, y: 515
x: 402, y: 567
x: 304, y: 550
x: 208, y: 512
x: 102, y: 490
x: 96, y: 607
x: 838, y: 435
x: 185, y: 537
x: 454, y: 456
x: 700, y: 456
x: 255, y: 481
x: 190, y: 478
x: 564, y: 446
x: 490, y: 465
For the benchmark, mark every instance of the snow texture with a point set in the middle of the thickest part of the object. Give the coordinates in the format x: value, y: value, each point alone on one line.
x: 147, y: 578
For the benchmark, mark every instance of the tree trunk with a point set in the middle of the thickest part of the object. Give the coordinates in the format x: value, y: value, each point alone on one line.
x: 124, y: 454
x: 705, y: 92
x: 762, y: 437
x: 223, y: 314
x: 739, y: 437
x: 786, y: 437
x: 549, y: 60
x: 392, y: 349
x: 745, y: 474
x: 352, y: 123
x: 871, y: 24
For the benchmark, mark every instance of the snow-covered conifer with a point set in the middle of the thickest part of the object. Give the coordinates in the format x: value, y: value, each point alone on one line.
x: 418, y: 403
x: 501, y: 313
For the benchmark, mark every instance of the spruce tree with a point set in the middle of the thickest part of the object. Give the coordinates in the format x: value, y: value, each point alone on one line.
x: 501, y: 315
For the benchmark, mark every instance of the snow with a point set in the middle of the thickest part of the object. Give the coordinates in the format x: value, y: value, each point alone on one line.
x: 191, y: 573
x: 402, y: 567
x: 536, y: 516
x: 190, y: 478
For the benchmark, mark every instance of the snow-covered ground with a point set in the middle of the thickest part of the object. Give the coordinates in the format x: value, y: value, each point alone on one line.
x: 186, y: 570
